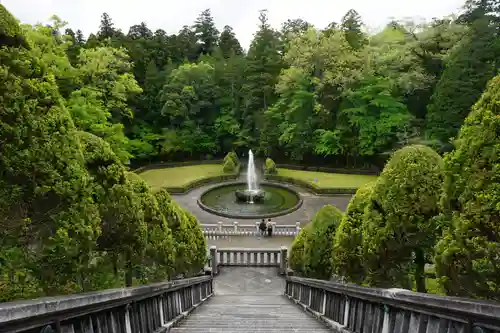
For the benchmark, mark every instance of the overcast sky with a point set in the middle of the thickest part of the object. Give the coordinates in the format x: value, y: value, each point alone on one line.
x: 242, y: 15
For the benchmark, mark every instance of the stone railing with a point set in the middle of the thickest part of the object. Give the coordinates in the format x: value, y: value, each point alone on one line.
x: 150, y: 308
x: 355, y: 309
x: 221, y: 230
x: 248, y: 258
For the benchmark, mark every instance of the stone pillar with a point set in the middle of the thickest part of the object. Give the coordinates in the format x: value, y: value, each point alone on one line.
x: 220, y: 225
x: 257, y: 230
x: 235, y: 224
x: 213, y: 255
x: 284, y: 260
x: 297, y: 228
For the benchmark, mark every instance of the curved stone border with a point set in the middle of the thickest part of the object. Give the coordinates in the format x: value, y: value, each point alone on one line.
x: 248, y: 217
x: 310, y: 187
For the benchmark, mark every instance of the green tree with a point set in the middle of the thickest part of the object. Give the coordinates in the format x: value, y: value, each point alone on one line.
x: 399, y: 231
x: 206, y: 32
x: 467, y: 254
x: 296, y: 259
x: 319, y: 241
x: 470, y: 67
x: 351, y: 26
x: 228, y: 43
x: 347, y: 258
x: 46, y: 209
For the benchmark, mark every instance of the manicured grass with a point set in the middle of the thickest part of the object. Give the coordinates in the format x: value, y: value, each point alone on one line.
x: 180, y: 176
x: 325, y: 180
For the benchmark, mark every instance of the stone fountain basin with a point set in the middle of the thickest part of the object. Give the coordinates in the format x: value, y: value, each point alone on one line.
x: 247, y: 195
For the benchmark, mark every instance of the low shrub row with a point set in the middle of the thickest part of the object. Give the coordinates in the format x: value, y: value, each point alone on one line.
x: 311, y: 187
x: 205, y: 181
x: 162, y: 165
x: 370, y: 172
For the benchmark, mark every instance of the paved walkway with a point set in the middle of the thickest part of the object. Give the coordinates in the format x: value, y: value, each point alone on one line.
x: 311, y: 204
x: 249, y: 299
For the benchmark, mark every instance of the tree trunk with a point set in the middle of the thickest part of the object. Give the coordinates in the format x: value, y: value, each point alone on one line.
x: 420, y: 270
x: 128, y: 270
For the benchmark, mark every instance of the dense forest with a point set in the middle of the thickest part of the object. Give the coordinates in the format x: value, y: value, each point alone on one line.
x: 299, y: 94
x: 75, y: 111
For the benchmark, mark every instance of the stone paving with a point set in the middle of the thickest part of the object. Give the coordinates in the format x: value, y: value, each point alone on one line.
x: 311, y: 204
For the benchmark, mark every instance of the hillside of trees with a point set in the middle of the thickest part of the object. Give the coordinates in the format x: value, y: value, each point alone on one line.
x: 333, y: 95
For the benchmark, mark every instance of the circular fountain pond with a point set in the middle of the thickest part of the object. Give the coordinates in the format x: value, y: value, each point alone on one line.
x: 277, y: 200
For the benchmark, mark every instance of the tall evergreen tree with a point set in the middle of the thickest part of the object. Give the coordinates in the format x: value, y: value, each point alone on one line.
x: 263, y: 67
x: 228, y: 43
x: 206, y: 32
x: 351, y: 26
x: 106, y: 28
x: 464, y: 78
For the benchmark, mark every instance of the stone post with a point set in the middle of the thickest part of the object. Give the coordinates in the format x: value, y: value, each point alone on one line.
x: 235, y: 223
x: 213, y: 256
x: 220, y: 225
x: 273, y: 224
x: 297, y: 228
x: 284, y: 260
x: 257, y: 228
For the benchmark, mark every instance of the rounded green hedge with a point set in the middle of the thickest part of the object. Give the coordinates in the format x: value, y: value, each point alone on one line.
x: 318, y: 244
x: 270, y: 167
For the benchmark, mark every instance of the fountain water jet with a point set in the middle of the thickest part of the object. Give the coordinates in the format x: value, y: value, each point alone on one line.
x: 252, y: 193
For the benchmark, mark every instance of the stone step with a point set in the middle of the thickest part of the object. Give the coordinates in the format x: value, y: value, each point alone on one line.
x: 240, y: 313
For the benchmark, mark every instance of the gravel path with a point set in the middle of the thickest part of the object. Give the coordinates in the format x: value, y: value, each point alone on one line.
x: 311, y: 204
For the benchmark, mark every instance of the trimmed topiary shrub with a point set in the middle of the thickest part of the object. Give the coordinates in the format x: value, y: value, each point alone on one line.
x: 296, y: 258
x: 347, y: 245
x: 229, y: 166
x: 270, y: 167
x: 399, y: 231
x: 467, y: 255
x: 318, y: 244
x: 233, y: 156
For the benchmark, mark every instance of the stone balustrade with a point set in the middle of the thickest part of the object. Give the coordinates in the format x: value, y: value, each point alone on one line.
x: 355, y: 309
x: 151, y: 308
x: 248, y: 258
x: 221, y: 230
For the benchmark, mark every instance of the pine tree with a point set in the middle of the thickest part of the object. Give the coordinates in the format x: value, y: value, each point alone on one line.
x: 206, y: 32
x: 106, y: 28
x: 228, y: 43
x: 351, y: 26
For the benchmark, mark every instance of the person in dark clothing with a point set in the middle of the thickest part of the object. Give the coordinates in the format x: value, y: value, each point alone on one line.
x: 262, y: 227
x: 269, y: 228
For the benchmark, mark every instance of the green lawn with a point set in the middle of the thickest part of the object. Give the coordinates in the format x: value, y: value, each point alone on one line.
x: 180, y: 176
x: 327, y: 180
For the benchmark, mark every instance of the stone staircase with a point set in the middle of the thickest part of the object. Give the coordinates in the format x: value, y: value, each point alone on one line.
x: 260, y: 313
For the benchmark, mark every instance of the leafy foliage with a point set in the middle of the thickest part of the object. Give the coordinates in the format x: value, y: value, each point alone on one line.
x: 347, y: 257
x: 467, y: 255
x: 270, y: 167
x: 399, y: 230
x: 319, y: 241
x: 296, y: 258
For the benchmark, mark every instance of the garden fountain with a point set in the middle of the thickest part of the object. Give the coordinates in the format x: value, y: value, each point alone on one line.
x: 252, y: 193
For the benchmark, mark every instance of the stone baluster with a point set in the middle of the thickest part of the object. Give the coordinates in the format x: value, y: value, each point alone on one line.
x: 214, y: 263
x: 283, y: 260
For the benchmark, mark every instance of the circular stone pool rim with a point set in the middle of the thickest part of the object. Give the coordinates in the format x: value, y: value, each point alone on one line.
x: 256, y: 216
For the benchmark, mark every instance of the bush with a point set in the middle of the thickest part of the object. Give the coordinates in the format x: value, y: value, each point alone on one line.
x: 229, y: 166
x: 270, y: 167
x: 318, y: 244
x: 296, y: 259
x: 467, y: 254
x: 399, y: 231
x: 188, y: 236
x: 233, y: 156
x: 347, y: 246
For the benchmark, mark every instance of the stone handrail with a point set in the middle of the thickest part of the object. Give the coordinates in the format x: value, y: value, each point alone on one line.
x: 355, y: 309
x: 150, y: 308
x: 248, y: 258
x: 248, y: 229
